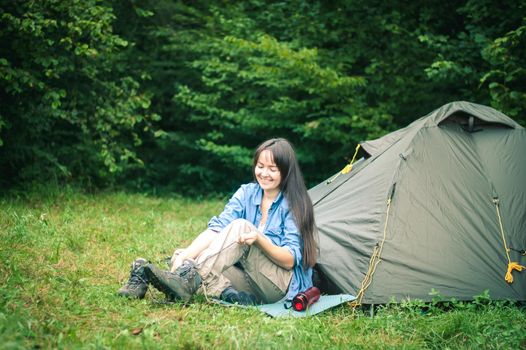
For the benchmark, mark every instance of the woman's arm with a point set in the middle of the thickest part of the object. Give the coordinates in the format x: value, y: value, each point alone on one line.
x: 234, y: 209
x: 279, y: 255
x: 199, y: 244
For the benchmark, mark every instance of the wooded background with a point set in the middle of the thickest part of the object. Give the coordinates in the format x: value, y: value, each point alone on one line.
x: 158, y: 95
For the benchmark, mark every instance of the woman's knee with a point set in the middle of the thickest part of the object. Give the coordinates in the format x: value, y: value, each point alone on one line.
x: 242, y: 223
x: 237, y: 227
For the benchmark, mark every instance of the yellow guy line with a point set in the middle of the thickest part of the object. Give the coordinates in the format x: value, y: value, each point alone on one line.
x: 375, y: 260
x: 347, y: 168
x: 512, y: 265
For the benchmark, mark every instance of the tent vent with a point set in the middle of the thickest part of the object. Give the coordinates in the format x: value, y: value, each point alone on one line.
x: 470, y: 123
x: 470, y: 127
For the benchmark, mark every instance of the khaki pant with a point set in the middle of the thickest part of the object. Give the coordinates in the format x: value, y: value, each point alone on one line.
x: 246, y: 268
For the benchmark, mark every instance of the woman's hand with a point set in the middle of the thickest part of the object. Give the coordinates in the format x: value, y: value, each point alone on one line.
x: 177, y: 259
x: 248, y: 238
x: 199, y: 244
x: 281, y: 256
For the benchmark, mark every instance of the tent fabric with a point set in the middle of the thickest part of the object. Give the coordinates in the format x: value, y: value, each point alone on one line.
x: 443, y: 232
x: 438, y: 116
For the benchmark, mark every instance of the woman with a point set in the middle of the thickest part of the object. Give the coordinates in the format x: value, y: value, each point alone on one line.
x: 259, y: 249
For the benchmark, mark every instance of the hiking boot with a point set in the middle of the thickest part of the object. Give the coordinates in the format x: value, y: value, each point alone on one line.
x: 137, y: 284
x: 181, y: 284
x: 230, y: 295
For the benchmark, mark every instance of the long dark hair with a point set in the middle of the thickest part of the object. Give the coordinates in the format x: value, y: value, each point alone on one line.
x: 293, y: 188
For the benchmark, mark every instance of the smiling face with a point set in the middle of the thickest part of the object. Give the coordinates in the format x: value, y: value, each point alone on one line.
x: 267, y: 172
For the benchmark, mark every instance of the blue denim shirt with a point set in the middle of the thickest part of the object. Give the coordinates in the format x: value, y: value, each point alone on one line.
x: 280, y: 228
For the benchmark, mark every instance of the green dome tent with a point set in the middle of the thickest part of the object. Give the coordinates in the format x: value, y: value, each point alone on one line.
x: 432, y: 206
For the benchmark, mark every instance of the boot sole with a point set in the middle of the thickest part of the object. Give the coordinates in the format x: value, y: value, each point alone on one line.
x: 157, y: 282
x: 130, y: 296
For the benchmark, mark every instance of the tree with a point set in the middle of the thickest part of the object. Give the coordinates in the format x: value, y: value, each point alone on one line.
x: 69, y: 109
x: 93, y: 90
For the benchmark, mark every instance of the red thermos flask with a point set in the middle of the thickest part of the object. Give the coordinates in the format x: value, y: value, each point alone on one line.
x: 304, y: 299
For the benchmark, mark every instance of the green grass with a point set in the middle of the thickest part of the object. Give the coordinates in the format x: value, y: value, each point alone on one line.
x: 63, y: 255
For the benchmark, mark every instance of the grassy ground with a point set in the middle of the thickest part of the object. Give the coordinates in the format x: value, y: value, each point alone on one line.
x: 64, y: 254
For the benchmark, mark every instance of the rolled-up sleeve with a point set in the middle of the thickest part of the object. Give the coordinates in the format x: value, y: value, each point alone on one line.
x: 291, y: 238
x: 234, y: 209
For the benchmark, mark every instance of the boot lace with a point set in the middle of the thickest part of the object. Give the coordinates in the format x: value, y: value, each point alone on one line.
x: 135, y: 276
x: 186, y: 271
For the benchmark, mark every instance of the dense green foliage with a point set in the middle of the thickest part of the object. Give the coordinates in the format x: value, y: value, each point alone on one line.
x: 64, y: 254
x: 69, y: 108
x: 177, y: 94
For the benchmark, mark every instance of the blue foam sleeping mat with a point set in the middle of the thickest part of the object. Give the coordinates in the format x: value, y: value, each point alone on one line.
x: 283, y: 309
